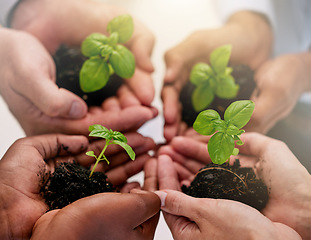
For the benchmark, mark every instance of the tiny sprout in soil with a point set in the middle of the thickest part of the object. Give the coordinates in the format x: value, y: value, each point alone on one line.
x: 106, y: 55
x: 222, y: 144
x: 112, y: 137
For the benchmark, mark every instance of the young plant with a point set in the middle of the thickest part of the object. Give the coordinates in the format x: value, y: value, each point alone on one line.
x: 213, y: 79
x: 222, y: 144
x: 106, y: 55
x: 112, y: 137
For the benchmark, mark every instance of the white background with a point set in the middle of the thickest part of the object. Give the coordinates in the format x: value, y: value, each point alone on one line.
x: 171, y: 21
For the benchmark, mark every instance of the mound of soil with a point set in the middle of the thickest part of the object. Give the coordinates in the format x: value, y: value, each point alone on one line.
x: 68, y: 61
x: 229, y: 182
x: 70, y: 182
x: 243, y: 76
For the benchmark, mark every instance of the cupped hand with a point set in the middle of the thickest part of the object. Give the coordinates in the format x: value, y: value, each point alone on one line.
x: 77, y: 20
x: 280, y: 83
x: 28, y: 160
x: 204, y: 218
x: 28, y: 87
x: 287, y: 180
x: 248, y: 47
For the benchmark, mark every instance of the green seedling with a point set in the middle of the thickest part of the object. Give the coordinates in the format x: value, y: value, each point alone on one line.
x: 106, y: 55
x: 213, y: 79
x: 222, y: 144
x: 112, y: 137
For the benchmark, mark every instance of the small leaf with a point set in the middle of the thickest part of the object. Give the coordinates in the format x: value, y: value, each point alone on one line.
x: 220, y: 147
x: 239, y: 141
x: 226, y: 87
x: 219, y: 58
x: 202, y: 97
x: 106, y: 50
x: 113, y: 38
x: 94, y: 75
x: 127, y: 148
x: 239, y: 113
x: 122, y: 62
x: 232, y: 130
x: 91, y: 154
x: 119, y: 137
x: 235, y: 152
x: 220, y: 125
x: 93, y: 44
x: 123, y: 25
x: 97, y: 130
x: 200, y: 73
x: 204, y: 122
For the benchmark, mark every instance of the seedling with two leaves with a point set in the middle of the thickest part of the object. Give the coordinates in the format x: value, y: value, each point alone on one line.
x: 112, y: 137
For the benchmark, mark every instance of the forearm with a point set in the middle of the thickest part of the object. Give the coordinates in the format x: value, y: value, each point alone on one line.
x: 305, y: 58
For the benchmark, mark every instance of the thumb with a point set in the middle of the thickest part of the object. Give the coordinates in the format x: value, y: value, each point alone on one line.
x: 174, y: 66
x: 53, y: 101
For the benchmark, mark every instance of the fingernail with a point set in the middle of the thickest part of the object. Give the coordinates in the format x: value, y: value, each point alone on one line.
x: 77, y: 110
x: 162, y: 195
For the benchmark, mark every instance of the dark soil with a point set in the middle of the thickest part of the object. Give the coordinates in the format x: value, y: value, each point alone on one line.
x: 229, y: 182
x: 71, y: 182
x: 68, y: 62
x: 243, y: 76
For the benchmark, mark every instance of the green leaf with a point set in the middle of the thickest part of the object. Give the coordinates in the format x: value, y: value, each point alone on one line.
x: 122, y: 62
x: 220, y: 147
x: 94, y: 75
x: 119, y: 136
x: 226, y: 87
x: 200, y: 73
x: 219, y: 58
x: 235, y: 152
x: 204, y: 122
x: 123, y: 25
x: 239, y: 113
x: 232, y: 130
x: 106, y: 50
x: 113, y: 38
x: 202, y: 97
x: 220, y: 125
x: 239, y: 141
x: 93, y: 44
x: 127, y: 148
x: 97, y: 130
x: 91, y: 154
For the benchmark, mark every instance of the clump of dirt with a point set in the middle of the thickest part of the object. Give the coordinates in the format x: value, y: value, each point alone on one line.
x: 229, y: 182
x: 70, y: 182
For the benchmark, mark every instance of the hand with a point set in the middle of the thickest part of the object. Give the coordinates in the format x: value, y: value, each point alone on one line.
x: 280, y: 83
x: 22, y: 169
x: 39, y: 105
x: 251, y: 46
x: 204, y: 218
x: 75, y: 22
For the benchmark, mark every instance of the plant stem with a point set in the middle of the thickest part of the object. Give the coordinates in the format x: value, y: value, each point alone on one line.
x: 100, y: 158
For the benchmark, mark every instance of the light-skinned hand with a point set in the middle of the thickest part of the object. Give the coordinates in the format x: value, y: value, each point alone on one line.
x: 70, y: 22
x: 204, y: 218
x: 249, y: 34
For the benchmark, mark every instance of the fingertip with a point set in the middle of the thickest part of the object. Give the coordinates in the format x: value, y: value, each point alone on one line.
x: 162, y: 195
x: 77, y: 110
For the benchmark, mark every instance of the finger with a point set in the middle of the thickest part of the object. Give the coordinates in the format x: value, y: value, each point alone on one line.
x: 184, y: 174
x: 119, y: 175
x: 53, y: 145
x: 51, y: 100
x: 142, y: 47
x: 170, y: 99
x: 167, y: 175
x: 151, y: 178
x: 127, y: 97
x: 189, y: 163
x: 142, y: 86
x: 174, y: 66
x: 111, y: 104
x: 191, y: 148
x: 126, y: 188
x: 254, y: 144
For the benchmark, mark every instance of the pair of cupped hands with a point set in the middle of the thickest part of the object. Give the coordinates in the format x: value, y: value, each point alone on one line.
x: 28, y: 87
